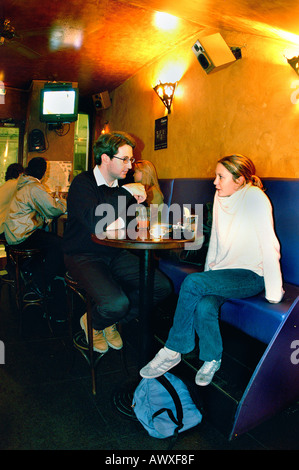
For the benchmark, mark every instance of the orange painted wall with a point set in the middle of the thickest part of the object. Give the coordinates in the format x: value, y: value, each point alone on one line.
x: 249, y: 107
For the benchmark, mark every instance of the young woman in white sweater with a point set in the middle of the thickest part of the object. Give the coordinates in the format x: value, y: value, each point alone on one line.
x: 242, y: 261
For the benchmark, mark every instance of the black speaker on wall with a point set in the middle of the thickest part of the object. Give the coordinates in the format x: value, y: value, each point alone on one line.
x: 213, y: 53
x: 101, y: 100
x: 36, y: 141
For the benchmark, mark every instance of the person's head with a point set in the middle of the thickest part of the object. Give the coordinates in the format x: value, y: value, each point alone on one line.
x: 13, y: 171
x: 145, y: 173
x: 36, y: 167
x: 233, y: 172
x: 113, y: 152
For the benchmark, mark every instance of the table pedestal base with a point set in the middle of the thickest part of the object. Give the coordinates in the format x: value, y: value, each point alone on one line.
x: 123, y: 398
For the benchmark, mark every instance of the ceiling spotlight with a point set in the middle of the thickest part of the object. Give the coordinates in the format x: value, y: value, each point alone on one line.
x: 165, y: 21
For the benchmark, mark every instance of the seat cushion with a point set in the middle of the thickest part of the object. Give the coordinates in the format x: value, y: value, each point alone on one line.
x: 254, y: 315
x: 257, y: 317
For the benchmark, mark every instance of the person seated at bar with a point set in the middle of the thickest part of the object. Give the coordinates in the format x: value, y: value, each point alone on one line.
x: 109, y: 275
x: 242, y: 261
x: 146, y: 174
x: 31, y: 209
x: 8, y: 189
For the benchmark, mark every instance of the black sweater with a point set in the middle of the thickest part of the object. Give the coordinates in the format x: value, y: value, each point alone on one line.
x: 85, y: 198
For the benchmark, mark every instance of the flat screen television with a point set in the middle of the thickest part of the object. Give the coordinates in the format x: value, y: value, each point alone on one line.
x: 59, y: 103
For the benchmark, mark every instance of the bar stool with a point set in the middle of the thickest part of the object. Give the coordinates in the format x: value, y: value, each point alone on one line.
x: 17, y: 256
x: 79, y: 340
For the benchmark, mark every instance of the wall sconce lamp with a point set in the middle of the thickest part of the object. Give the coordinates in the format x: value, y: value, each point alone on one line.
x: 165, y: 91
x: 237, y: 52
x: 294, y: 63
x: 105, y: 128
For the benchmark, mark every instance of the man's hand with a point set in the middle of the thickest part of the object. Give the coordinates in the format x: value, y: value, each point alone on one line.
x: 137, y: 190
x: 116, y: 225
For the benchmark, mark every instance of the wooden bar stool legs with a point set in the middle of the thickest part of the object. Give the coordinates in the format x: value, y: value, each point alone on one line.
x: 90, y: 344
x: 17, y: 256
x: 79, y: 340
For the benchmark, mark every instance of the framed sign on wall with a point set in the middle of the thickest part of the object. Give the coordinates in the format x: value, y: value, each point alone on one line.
x: 161, y: 133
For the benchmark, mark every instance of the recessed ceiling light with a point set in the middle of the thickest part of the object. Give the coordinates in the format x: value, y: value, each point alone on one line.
x: 165, y: 21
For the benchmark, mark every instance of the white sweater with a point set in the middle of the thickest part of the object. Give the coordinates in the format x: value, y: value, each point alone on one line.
x: 243, y: 237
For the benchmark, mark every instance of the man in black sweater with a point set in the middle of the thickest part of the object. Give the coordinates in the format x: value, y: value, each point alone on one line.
x: 109, y: 275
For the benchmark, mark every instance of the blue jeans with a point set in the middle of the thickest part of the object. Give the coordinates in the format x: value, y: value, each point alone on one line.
x: 199, y: 302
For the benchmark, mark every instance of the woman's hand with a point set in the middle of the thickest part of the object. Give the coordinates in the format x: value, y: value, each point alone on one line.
x: 137, y: 190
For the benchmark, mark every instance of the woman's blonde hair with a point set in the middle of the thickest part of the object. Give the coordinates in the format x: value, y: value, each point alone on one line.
x: 149, y: 173
x: 239, y: 165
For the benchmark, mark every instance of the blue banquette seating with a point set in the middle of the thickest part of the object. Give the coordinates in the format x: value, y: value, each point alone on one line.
x: 274, y: 383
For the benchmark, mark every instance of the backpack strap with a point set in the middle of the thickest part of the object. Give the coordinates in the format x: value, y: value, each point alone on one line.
x: 178, y: 405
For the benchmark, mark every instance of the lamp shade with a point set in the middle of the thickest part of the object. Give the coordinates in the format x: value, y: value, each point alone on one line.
x: 165, y: 91
x: 294, y: 63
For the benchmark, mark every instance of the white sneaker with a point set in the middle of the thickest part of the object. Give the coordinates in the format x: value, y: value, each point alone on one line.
x: 162, y: 362
x: 206, y: 373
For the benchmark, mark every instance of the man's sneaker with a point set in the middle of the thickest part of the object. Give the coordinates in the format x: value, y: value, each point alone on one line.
x: 206, y: 373
x: 163, y: 361
x: 99, y: 342
x: 113, y: 337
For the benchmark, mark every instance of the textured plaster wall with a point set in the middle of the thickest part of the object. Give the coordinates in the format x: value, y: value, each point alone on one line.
x: 244, y: 108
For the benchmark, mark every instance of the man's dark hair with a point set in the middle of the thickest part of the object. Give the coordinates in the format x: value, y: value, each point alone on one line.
x: 13, y: 171
x: 36, y: 167
x: 109, y: 144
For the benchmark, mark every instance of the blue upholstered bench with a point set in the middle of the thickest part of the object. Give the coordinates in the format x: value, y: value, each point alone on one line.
x: 275, y: 381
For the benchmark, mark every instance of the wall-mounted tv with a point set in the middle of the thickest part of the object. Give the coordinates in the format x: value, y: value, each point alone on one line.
x: 59, y: 103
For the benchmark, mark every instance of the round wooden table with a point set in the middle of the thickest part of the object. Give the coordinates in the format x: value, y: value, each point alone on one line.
x: 147, y: 245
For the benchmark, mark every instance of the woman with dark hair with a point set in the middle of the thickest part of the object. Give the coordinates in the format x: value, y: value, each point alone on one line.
x: 13, y: 171
x: 31, y: 209
x: 242, y: 261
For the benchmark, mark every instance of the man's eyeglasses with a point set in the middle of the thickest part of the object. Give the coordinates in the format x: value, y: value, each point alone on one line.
x: 126, y: 160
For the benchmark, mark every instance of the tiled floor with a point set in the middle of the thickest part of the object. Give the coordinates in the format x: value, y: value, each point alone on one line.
x: 46, y: 400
